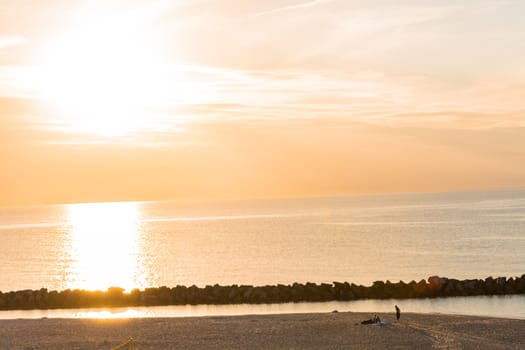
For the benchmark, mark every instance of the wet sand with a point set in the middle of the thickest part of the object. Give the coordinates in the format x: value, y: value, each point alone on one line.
x: 292, y: 331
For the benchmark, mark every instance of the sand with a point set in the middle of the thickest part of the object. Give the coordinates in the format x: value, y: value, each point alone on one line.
x: 295, y: 331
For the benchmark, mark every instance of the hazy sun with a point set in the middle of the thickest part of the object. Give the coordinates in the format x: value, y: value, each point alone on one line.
x: 102, y: 76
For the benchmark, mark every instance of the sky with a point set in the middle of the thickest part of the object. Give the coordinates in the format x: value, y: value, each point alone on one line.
x: 144, y: 100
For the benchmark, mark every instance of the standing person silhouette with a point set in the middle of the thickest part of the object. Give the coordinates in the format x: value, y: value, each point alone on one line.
x: 398, y: 312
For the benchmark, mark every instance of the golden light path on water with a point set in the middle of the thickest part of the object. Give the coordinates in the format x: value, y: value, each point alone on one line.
x: 105, y: 246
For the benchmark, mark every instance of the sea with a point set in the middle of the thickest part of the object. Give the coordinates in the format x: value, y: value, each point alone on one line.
x: 359, y: 239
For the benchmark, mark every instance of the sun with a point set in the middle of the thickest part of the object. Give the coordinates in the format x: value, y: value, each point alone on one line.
x: 102, y: 76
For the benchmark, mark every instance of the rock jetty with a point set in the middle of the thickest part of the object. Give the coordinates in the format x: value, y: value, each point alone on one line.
x: 434, y: 286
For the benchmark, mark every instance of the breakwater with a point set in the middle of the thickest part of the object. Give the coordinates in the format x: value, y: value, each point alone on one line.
x: 434, y: 286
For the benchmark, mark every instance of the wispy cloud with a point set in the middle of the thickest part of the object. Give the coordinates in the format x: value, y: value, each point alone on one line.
x: 10, y: 41
x: 373, y: 98
x: 357, y: 62
x: 292, y: 7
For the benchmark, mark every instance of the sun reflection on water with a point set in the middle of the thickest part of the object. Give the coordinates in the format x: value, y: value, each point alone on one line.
x: 105, y: 246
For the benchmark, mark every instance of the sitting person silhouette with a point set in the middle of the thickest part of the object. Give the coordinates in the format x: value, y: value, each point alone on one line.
x: 373, y: 320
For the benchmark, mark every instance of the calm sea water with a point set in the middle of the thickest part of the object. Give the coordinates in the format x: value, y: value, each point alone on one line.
x: 355, y: 238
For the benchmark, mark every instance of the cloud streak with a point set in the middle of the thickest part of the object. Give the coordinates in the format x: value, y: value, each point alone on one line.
x: 293, y: 7
x: 10, y: 41
x: 357, y: 62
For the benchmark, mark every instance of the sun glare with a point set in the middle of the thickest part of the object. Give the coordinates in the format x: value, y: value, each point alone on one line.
x: 103, y: 77
x: 105, y: 246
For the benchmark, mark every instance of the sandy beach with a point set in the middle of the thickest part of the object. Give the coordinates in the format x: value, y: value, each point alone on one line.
x: 295, y: 331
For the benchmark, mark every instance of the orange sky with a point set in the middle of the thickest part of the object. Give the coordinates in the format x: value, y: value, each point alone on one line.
x: 136, y: 100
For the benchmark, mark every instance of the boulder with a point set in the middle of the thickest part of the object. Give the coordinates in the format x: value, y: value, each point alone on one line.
x: 297, y: 292
x: 510, y: 287
x: 376, y: 291
x: 520, y: 284
x: 436, y: 284
x: 500, y: 285
x: 234, y: 295
x: 115, y: 296
x: 246, y: 293
x: 342, y: 291
x: 285, y: 293
x: 421, y: 289
x: 490, y: 286
x: 134, y: 297
x: 326, y: 292
x: 259, y: 295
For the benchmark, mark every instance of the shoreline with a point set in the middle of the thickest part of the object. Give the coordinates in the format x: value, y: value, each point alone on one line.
x: 291, y: 331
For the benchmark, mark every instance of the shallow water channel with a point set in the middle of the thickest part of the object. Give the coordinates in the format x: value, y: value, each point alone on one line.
x: 507, y: 306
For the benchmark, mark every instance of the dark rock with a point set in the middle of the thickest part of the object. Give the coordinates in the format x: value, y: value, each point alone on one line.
x: 312, y: 292
x: 134, y: 297
x: 500, y: 285
x: 520, y: 284
x: 377, y: 290
x: 359, y: 291
x: 449, y: 289
x: 192, y: 295
x: 297, y: 292
x: 258, y: 295
x: 115, y: 296
x: 402, y: 290
x: 246, y: 292
x: 510, y: 287
x: 150, y: 297
x: 285, y: 293
x: 343, y: 291
x: 164, y: 295
x: 234, y: 294
x: 421, y: 289
x: 326, y: 292
x: 490, y: 286
x: 435, y: 285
